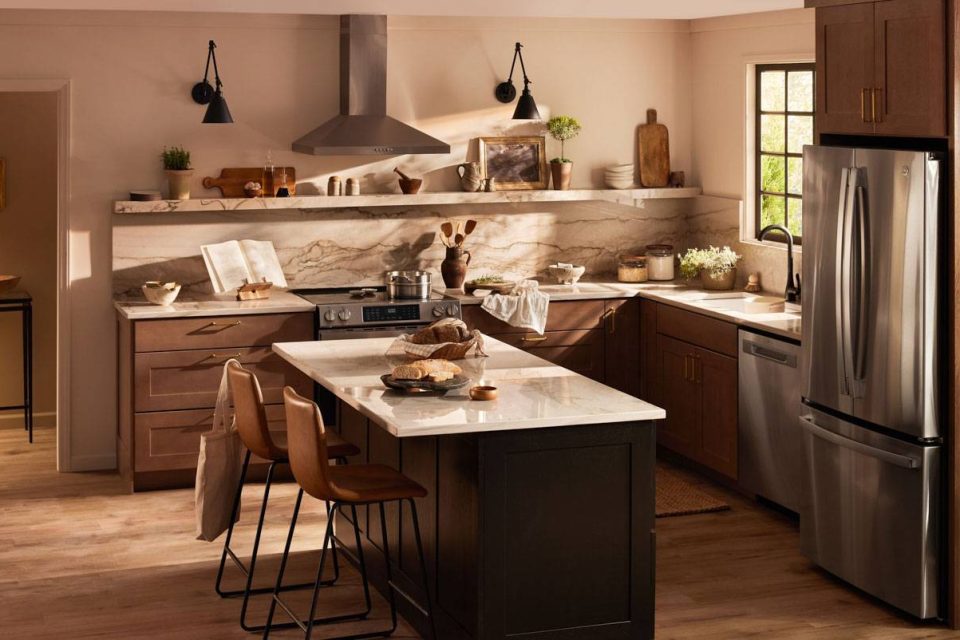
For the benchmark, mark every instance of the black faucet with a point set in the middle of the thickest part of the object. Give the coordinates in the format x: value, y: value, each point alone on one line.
x: 792, y: 293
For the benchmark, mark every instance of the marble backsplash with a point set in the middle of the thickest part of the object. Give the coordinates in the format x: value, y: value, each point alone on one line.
x: 345, y: 247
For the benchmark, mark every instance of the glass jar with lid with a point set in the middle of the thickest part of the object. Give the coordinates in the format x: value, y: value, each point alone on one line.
x: 660, y: 261
x: 632, y: 269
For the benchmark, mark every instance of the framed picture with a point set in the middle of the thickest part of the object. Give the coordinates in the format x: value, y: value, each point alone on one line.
x: 515, y: 162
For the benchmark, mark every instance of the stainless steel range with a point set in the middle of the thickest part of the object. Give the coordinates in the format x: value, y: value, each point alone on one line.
x: 354, y: 312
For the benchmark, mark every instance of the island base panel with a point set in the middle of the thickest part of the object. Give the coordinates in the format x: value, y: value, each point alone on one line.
x: 541, y: 534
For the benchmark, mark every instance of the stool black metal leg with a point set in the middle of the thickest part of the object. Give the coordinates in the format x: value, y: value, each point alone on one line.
x: 323, y: 559
x: 235, y: 512
x: 386, y: 554
x: 283, y: 566
x: 256, y: 548
x: 360, y: 559
x: 336, y: 561
x: 423, y: 569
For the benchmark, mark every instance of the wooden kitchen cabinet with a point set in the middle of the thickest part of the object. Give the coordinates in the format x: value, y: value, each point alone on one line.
x: 599, y: 339
x: 881, y: 67
x: 690, y: 369
x: 169, y: 375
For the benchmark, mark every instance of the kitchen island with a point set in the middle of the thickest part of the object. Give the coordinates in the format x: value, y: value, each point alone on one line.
x: 539, y: 521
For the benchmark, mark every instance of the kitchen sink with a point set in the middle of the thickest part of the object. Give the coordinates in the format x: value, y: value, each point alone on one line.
x: 745, y: 303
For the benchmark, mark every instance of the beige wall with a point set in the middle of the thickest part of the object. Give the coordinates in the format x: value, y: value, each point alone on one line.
x: 131, y: 74
x: 28, y: 246
x: 721, y: 50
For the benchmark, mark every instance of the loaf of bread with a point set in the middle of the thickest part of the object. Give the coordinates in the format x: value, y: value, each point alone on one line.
x: 426, y: 369
x: 446, y: 330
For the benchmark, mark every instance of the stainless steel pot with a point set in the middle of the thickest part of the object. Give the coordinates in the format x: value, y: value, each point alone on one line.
x: 408, y: 285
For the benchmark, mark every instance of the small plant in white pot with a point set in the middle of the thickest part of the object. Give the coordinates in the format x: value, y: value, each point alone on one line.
x: 176, y: 165
x: 562, y: 128
x: 717, y: 268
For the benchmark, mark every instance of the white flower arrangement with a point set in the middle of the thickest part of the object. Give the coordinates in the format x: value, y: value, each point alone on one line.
x: 713, y: 260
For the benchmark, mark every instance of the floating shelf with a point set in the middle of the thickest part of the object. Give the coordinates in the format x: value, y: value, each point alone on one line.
x: 629, y: 197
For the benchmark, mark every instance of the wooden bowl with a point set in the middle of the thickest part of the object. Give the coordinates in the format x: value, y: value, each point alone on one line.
x: 411, y: 186
x: 8, y: 283
x: 503, y: 288
x: 481, y: 392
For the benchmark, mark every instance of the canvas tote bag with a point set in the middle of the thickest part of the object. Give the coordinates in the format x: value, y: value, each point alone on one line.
x: 218, y: 468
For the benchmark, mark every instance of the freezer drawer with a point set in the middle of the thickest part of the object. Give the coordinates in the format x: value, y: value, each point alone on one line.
x: 870, y: 511
x: 770, y: 443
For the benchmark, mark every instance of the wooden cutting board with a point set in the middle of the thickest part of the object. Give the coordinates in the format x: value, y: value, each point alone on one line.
x: 653, y: 150
x: 231, y: 181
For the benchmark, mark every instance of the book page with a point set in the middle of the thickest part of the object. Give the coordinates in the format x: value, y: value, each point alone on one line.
x: 226, y: 265
x: 263, y: 262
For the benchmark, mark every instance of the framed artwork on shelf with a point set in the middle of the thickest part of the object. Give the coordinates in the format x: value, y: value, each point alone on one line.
x: 515, y: 162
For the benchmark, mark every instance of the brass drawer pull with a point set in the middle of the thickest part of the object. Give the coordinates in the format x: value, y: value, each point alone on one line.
x: 612, y: 315
x: 225, y: 324
x: 533, y: 338
x: 224, y: 355
x: 863, y: 104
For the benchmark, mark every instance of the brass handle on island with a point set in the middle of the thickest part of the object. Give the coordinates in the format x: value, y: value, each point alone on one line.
x: 610, y: 314
x: 224, y: 355
x: 533, y: 338
x: 225, y: 324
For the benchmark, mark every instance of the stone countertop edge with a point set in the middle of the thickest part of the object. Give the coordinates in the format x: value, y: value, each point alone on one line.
x: 214, y: 305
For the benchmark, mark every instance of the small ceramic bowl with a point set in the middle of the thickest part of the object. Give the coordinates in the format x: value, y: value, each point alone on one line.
x: 161, y: 293
x: 566, y: 275
x: 483, y: 393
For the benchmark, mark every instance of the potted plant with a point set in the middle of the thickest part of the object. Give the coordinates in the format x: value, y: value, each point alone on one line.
x: 176, y: 165
x: 717, y: 268
x: 562, y: 128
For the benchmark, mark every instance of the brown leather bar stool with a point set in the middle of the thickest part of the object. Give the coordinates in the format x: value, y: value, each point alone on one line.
x: 251, y: 421
x: 343, y: 487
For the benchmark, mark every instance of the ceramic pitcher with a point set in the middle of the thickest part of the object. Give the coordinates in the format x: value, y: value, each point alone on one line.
x: 470, y: 176
x: 454, y: 267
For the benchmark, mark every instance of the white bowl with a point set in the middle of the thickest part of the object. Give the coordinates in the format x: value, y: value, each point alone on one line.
x: 161, y: 293
x: 618, y: 183
x: 566, y: 275
x: 628, y: 166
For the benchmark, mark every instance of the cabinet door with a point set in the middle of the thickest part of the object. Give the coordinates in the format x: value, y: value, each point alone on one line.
x: 649, y: 369
x: 845, y: 68
x: 621, y: 345
x: 717, y: 378
x: 579, y: 351
x: 910, y: 90
x: 679, y: 396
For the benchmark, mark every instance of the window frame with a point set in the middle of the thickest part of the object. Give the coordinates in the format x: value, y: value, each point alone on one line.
x: 758, y: 153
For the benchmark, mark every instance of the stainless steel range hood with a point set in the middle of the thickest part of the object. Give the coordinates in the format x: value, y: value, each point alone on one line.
x: 363, y: 126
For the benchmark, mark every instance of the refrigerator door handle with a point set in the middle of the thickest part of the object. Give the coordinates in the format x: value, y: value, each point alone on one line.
x: 896, y: 459
x: 863, y: 288
x: 843, y: 275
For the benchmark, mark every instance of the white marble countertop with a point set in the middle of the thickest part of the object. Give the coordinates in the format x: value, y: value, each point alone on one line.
x: 214, y: 305
x: 533, y: 393
x: 677, y: 293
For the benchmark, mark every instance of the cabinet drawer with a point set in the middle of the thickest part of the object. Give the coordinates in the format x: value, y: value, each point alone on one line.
x: 562, y: 316
x: 170, y: 380
x: 580, y: 351
x: 216, y: 333
x: 697, y: 329
x: 170, y: 440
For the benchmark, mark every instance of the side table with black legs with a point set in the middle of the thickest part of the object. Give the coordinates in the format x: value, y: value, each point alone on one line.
x: 20, y: 301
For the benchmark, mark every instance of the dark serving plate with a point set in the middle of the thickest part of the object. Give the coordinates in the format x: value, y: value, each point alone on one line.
x: 456, y: 382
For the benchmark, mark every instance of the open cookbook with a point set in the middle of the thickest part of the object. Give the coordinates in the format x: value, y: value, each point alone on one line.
x: 235, y: 263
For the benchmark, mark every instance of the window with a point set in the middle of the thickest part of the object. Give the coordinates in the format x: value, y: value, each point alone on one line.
x: 784, y: 108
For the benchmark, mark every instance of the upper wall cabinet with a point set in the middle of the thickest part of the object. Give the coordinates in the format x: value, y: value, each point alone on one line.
x: 881, y: 67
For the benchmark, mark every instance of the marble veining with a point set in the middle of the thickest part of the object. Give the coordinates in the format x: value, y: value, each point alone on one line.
x: 532, y: 392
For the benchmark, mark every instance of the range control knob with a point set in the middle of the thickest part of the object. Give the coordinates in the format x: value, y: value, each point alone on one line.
x: 451, y: 311
x: 438, y: 311
x: 344, y: 314
x: 330, y: 315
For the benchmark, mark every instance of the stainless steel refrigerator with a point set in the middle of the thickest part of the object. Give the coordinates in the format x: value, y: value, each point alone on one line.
x: 871, y: 509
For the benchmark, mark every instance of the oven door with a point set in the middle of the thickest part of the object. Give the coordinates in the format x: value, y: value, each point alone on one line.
x: 357, y: 333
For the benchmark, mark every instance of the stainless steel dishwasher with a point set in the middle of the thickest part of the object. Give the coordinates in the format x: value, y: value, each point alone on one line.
x: 770, y: 445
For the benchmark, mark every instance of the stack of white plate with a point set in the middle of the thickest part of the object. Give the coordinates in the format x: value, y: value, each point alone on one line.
x: 619, y: 176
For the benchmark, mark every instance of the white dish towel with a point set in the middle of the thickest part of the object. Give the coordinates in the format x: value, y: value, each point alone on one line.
x: 525, y: 307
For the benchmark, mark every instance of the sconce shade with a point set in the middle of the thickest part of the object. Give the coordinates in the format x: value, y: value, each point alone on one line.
x: 218, y: 112
x: 526, y: 107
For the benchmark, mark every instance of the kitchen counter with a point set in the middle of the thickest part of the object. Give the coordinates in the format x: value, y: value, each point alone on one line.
x: 507, y: 481
x: 213, y: 305
x: 678, y: 293
x: 533, y: 393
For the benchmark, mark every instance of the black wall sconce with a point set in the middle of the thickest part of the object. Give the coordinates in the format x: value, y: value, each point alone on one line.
x: 203, y: 93
x: 506, y: 92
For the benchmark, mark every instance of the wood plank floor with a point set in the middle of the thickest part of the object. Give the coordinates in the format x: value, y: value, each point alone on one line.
x: 79, y: 558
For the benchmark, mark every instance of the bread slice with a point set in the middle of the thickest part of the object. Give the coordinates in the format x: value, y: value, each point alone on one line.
x: 436, y: 364
x: 440, y: 376
x: 408, y: 372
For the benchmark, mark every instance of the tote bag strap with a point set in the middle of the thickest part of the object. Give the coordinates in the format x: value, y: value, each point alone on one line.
x: 222, y: 417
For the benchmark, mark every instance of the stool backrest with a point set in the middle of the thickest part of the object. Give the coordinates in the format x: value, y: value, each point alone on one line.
x: 307, y: 445
x: 251, y: 416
